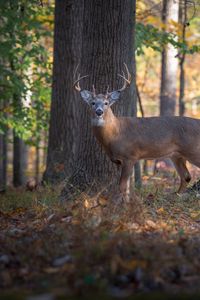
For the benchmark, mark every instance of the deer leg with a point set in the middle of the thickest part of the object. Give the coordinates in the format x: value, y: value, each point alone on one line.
x: 124, y: 184
x: 180, y: 165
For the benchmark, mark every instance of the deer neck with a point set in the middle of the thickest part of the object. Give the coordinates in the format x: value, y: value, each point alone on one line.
x: 106, y: 131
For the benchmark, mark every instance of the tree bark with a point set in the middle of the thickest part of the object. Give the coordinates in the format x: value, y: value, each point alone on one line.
x: 64, y: 122
x: 19, y: 161
x: 37, y: 162
x: 107, y: 42
x: 183, y: 21
x: 3, y: 161
x: 3, y: 154
x: 169, y: 67
x: 169, y: 64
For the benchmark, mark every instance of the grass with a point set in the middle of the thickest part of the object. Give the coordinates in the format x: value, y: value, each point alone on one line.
x: 147, y: 248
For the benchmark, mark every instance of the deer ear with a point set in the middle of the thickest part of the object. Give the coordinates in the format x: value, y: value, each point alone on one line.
x: 114, y: 97
x: 86, y: 95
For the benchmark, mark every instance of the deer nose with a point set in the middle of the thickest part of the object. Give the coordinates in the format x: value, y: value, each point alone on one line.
x: 99, y: 112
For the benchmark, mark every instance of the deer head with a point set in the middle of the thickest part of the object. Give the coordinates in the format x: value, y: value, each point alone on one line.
x: 101, y: 103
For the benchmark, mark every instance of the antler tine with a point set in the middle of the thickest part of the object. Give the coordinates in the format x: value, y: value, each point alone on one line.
x: 94, y: 91
x: 75, y: 71
x: 127, y: 81
x: 107, y: 90
x: 78, y: 88
x: 76, y: 83
x: 122, y: 76
x: 128, y: 73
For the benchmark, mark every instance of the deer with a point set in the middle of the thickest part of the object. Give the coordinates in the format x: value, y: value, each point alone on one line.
x: 127, y: 140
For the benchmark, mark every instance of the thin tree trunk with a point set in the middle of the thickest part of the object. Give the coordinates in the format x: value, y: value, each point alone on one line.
x: 169, y: 64
x: 140, y: 102
x: 183, y: 20
x: 145, y: 164
x: 182, y: 87
x: 169, y: 67
x: 3, y: 162
x: 37, y: 162
x: 19, y: 147
x: 3, y: 155
x: 19, y: 161
x: 44, y: 148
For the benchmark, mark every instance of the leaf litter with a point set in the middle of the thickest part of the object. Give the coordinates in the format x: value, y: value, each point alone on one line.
x: 49, y: 250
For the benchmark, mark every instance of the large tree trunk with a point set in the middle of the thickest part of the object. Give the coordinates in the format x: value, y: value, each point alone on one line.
x: 107, y: 42
x: 169, y: 64
x: 65, y: 119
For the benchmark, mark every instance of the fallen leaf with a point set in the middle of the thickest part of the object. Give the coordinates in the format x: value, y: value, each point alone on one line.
x: 161, y: 210
x: 102, y: 201
x: 67, y: 219
x: 151, y: 224
x: 62, y: 260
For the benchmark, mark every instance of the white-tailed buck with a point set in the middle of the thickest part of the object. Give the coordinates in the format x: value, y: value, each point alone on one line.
x: 127, y: 140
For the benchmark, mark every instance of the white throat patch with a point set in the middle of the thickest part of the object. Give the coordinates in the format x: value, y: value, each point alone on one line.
x: 97, y: 122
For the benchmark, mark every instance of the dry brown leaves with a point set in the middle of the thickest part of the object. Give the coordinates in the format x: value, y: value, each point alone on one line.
x: 150, y: 245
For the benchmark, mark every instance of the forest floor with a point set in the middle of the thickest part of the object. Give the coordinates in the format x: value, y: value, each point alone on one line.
x: 148, y: 249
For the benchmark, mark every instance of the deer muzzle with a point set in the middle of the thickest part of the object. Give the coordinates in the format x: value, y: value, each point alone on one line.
x: 99, y: 112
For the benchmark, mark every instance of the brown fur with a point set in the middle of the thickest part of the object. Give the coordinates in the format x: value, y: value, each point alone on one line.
x: 127, y: 140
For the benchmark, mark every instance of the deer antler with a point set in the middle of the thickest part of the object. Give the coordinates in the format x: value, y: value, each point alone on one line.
x: 94, y: 91
x: 76, y: 83
x: 107, y: 92
x: 127, y: 80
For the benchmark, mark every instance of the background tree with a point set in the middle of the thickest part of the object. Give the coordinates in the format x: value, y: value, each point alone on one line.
x: 25, y: 50
x: 19, y: 161
x: 65, y: 119
x: 3, y: 160
x: 184, y: 22
x: 169, y: 65
x: 25, y: 76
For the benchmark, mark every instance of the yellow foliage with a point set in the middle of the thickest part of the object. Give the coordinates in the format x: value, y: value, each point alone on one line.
x: 47, y: 21
x: 174, y: 23
x: 155, y: 21
x: 161, y: 210
x: 189, y: 34
x: 195, y: 215
x: 140, y: 7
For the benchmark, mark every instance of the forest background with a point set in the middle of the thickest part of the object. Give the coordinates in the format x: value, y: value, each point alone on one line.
x: 26, y: 75
x: 92, y: 245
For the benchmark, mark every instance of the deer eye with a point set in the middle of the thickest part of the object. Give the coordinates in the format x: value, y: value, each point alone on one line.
x: 106, y: 103
x: 93, y: 103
